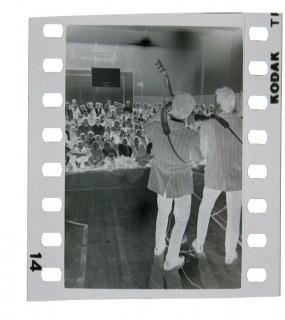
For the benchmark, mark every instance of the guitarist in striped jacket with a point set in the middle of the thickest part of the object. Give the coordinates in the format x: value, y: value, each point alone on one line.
x: 171, y: 175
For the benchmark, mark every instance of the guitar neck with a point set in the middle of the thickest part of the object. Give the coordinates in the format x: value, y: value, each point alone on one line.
x: 169, y: 86
x: 162, y: 70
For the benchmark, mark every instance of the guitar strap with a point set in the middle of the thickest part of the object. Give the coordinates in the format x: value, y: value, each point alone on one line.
x: 166, y: 130
x: 174, y: 150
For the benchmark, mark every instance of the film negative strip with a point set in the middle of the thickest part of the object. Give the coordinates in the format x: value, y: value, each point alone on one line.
x: 116, y: 209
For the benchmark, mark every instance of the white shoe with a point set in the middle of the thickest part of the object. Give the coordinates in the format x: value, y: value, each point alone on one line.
x: 231, y: 258
x: 158, y: 251
x: 170, y: 265
x: 198, y: 248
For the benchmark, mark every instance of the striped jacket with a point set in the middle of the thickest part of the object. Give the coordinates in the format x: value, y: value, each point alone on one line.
x: 169, y: 175
x: 223, y: 153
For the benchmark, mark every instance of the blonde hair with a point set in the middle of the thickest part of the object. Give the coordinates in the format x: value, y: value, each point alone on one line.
x: 182, y: 105
x: 224, y: 94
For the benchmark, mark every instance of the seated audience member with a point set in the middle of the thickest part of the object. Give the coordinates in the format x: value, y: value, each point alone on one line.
x: 113, y: 115
x: 106, y: 136
x: 115, y: 132
x: 129, y: 123
x: 124, y: 148
x: 113, y: 143
x: 116, y: 104
x: 107, y: 130
x: 128, y: 107
x: 98, y: 109
x: 91, y: 117
x: 139, y: 108
x: 102, y: 120
x: 212, y: 109
x: 98, y: 139
x: 106, y: 106
x: 89, y: 106
x: 80, y: 119
x: 96, y: 156
x: 138, y: 148
x: 207, y: 112
x: 98, y: 128
x: 82, y: 108
x: 85, y: 114
x: 120, y: 108
x: 123, y: 133
x: 137, y: 126
x: 117, y: 126
x: 108, y: 151
x: 141, y: 117
x: 112, y: 107
x: 141, y: 137
x: 202, y: 109
x: 92, y: 114
x: 79, y: 149
x: 83, y: 138
x: 76, y: 113
x: 73, y: 103
x: 73, y: 132
x: 68, y: 164
x: 84, y: 127
x: 90, y: 138
x: 109, y: 123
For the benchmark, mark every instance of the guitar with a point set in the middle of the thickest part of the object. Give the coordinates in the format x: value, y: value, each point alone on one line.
x: 165, y: 109
x: 166, y: 105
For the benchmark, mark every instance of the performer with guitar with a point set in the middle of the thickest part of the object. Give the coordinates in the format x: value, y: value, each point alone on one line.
x: 171, y: 174
x: 221, y: 145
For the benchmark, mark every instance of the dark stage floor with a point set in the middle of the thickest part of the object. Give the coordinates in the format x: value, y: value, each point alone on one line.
x: 109, y: 236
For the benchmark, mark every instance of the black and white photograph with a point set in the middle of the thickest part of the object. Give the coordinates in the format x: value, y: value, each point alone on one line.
x: 153, y: 157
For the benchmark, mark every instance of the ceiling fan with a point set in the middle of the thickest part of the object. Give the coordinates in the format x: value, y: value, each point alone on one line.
x: 145, y: 41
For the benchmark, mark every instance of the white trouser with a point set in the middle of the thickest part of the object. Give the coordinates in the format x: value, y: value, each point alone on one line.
x: 233, y: 217
x: 182, y: 208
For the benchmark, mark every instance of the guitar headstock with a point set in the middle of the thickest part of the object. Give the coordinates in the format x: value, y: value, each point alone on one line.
x: 160, y: 67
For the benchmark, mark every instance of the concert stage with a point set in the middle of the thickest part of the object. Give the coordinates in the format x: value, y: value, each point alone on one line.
x: 109, y: 236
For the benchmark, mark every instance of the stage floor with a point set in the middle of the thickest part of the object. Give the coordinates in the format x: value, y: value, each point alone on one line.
x: 109, y: 237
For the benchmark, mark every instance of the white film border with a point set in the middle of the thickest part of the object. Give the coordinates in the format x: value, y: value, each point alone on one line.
x: 261, y: 111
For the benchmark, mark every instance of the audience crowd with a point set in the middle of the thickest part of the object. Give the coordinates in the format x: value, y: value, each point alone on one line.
x: 110, y: 136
